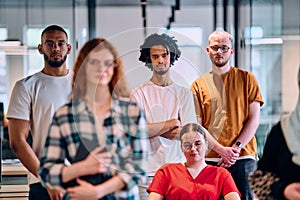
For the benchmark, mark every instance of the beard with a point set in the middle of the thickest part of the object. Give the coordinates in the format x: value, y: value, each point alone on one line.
x: 220, y: 64
x: 55, y: 64
x: 161, y: 72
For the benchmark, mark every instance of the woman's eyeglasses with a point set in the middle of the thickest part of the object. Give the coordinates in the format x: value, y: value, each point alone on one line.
x: 188, y: 146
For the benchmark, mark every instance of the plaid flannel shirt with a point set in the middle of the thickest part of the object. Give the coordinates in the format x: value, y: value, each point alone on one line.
x: 126, y: 137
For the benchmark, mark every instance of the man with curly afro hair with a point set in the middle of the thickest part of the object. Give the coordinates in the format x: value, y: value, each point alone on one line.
x: 169, y: 43
x: 167, y: 105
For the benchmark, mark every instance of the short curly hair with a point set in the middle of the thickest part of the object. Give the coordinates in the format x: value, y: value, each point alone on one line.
x: 155, y: 39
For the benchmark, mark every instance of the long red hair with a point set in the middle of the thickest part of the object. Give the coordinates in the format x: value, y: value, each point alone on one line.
x: 117, y: 85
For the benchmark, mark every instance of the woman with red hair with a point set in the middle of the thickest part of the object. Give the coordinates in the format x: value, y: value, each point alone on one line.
x: 100, y: 132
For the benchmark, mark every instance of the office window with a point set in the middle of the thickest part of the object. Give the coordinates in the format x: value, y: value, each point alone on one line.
x: 3, y: 33
x: 187, y: 36
x: 32, y: 37
x: 3, y: 68
x: 253, y: 32
x: 189, y: 40
x: 3, y: 72
x: 3, y: 78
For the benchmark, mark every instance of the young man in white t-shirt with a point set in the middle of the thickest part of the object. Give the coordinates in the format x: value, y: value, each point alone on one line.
x: 167, y: 105
x: 33, y: 102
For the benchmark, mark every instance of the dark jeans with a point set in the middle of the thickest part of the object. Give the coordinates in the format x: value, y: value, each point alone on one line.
x: 38, y: 192
x: 240, y: 172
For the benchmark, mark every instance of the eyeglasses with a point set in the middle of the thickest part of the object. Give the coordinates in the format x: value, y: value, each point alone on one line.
x: 97, y: 63
x: 223, y: 49
x: 51, y: 45
x: 188, y: 146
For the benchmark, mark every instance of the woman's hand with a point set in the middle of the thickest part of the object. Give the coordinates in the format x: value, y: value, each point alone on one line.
x: 55, y: 194
x: 84, y: 191
x: 97, y: 161
x: 292, y: 191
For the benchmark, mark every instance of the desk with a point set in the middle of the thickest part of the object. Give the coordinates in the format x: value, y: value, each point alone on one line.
x: 14, y: 169
x: 12, y: 191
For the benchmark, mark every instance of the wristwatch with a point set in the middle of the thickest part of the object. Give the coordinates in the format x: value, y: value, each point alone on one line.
x: 239, y: 144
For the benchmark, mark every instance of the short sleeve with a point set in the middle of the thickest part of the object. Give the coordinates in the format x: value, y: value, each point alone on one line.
x: 254, y: 90
x: 158, y: 183
x: 229, y: 184
x: 195, y: 89
x: 20, y: 102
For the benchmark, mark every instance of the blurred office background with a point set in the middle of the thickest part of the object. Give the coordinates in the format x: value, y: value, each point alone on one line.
x: 266, y: 34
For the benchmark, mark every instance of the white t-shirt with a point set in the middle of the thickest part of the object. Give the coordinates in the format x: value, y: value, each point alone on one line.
x: 161, y: 104
x: 36, y: 98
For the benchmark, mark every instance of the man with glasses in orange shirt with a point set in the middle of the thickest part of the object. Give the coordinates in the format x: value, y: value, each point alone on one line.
x: 227, y: 102
x: 33, y: 102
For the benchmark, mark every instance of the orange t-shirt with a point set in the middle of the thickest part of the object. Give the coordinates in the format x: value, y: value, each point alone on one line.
x: 224, y: 108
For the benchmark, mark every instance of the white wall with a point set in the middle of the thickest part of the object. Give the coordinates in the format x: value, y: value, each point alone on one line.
x: 123, y: 26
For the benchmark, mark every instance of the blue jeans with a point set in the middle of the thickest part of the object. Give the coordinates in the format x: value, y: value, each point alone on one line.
x: 240, y: 172
x: 38, y: 192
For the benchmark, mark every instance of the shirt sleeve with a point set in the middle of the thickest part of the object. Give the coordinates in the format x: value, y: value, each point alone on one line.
x: 158, y: 183
x: 20, y: 102
x: 133, y: 169
x: 229, y: 184
x: 195, y: 89
x: 254, y: 90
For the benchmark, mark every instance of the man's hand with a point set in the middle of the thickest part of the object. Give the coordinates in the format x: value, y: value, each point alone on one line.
x: 172, y: 134
x: 55, y: 194
x: 229, y: 155
x: 159, y: 128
